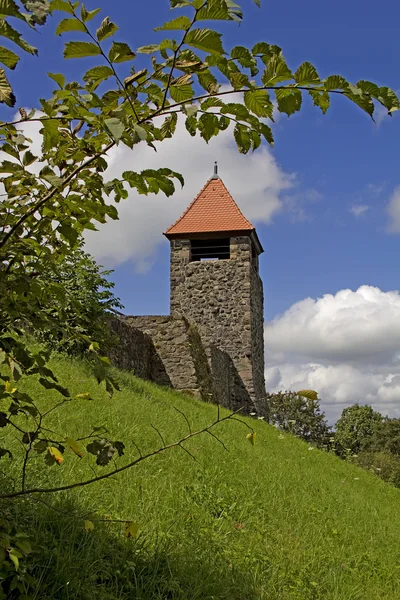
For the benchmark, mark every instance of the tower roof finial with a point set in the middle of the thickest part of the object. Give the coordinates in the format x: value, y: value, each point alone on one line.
x: 215, y: 176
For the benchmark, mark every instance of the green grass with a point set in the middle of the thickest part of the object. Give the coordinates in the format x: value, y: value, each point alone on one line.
x: 275, y: 521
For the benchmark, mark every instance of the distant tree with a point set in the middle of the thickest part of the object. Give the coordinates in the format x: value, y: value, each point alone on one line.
x: 386, y: 438
x: 300, y: 416
x: 384, y: 464
x: 82, y: 299
x: 356, y: 425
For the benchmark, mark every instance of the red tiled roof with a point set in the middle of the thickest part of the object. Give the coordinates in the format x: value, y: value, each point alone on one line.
x: 213, y: 210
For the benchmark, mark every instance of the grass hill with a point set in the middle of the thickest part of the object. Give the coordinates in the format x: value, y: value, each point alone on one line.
x: 275, y: 521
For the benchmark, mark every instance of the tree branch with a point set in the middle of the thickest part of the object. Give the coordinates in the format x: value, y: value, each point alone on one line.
x: 125, y: 467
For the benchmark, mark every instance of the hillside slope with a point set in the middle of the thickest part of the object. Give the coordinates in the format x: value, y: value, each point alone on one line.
x: 275, y: 521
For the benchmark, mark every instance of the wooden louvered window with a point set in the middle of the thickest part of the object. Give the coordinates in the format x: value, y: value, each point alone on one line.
x: 216, y: 249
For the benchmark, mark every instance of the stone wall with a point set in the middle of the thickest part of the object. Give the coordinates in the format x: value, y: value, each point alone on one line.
x: 170, y: 339
x: 257, y: 335
x: 170, y: 352
x: 225, y: 301
x: 135, y: 351
x: 228, y: 388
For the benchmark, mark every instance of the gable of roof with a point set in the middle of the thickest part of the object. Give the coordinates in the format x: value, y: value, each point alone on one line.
x: 213, y: 210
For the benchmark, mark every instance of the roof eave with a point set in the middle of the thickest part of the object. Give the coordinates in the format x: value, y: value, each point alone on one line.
x: 251, y: 233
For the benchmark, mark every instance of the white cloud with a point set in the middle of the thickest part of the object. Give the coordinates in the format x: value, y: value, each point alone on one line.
x: 358, y: 209
x: 346, y: 346
x: 256, y: 182
x: 393, y: 211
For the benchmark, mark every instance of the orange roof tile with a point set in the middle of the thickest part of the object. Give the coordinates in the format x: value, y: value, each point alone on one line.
x: 213, y: 210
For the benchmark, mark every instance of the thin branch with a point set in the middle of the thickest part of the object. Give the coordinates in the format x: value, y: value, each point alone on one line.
x: 176, y: 53
x: 218, y: 440
x: 244, y: 423
x: 133, y: 463
x: 187, y: 452
x: 185, y: 417
x: 137, y: 448
x: 54, y: 191
x: 120, y: 83
x: 159, y: 434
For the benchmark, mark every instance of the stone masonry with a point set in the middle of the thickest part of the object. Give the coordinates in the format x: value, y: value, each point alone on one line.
x: 224, y: 298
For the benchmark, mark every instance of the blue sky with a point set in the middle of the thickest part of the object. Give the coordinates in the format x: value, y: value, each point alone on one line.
x: 315, y: 244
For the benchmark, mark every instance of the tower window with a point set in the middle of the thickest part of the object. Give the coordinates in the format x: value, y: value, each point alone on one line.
x: 216, y: 249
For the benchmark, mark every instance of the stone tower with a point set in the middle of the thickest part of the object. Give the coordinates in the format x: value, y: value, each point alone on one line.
x: 215, y: 283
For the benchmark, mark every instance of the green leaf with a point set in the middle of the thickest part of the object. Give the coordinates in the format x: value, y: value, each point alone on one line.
x: 288, y: 100
x: 106, y: 29
x: 81, y: 50
x: 321, y: 99
x: 76, y: 449
x: 169, y: 126
x: 236, y: 109
x: 6, y: 93
x: 69, y: 25
x: 306, y: 74
x: 214, y: 10
x: 208, y: 126
x: 59, y: 78
x: 14, y: 558
x: 83, y: 396
x: 55, y: 455
x: 11, y: 34
x: 115, y: 127
x: 98, y: 74
x: 191, y: 109
x: 150, y: 49
x: 208, y: 81
x: 50, y: 132
x: 120, y: 52
x: 242, y: 138
x: 88, y: 525
x: 180, y: 3
x: 135, y: 180
x: 206, y: 40
x: 310, y: 394
x: 53, y: 179
x: 267, y: 133
x: 388, y: 99
x: 335, y: 82
x: 28, y: 158
x: 181, y: 93
x: 131, y: 529
x: 180, y: 23
x: 276, y: 72
x: 244, y: 57
x: 138, y: 75
x: 8, y: 8
x: 88, y: 15
x: 252, y: 437
x: 258, y: 101
x: 141, y: 132
x: 363, y: 101
x: 261, y: 48
x: 8, y: 58
x: 62, y: 6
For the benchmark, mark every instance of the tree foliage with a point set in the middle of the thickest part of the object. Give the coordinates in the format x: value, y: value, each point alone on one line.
x: 34, y: 13
x: 300, y: 415
x: 52, y: 196
x: 355, y: 427
x: 385, y: 437
x: 84, y: 301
